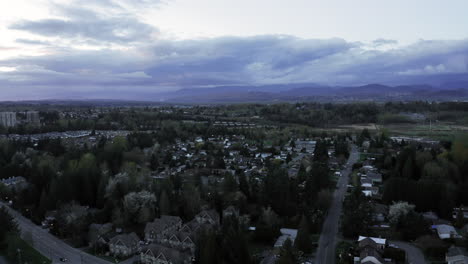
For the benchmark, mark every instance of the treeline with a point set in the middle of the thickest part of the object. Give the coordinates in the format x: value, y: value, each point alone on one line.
x: 433, y: 179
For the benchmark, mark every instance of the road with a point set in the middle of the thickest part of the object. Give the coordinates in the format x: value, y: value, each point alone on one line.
x: 414, y: 254
x: 50, y: 246
x: 327, y: 241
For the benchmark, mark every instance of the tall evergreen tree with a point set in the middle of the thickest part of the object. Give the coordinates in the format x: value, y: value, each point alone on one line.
x: 303, y: 240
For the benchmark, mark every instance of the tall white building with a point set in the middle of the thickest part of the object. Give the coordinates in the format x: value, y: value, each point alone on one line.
x: 8, y: 119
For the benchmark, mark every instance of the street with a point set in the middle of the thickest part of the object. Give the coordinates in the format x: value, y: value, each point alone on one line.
x: 50, y: 246
x: 327, y: 241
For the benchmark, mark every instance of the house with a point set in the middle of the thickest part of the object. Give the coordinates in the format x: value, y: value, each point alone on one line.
x: 456, y: 255
x: 230, y: 211
x: 191, y: 227
x: 462, y: 210
x: 124, y: 245
x: 208, y: 217
x: 379, y: 212
x: 446, y: 231
x: 158, y: 254
x: 15, y: 183
x: 430, y: 216
x: 96, y: 232
x: 380, y: 243
x: 365, y: 182
x: 162, y: 226
x: 371, y: 251
x: 180, y: 240
x: 375, y: 177
x: 286, y: 234
x: 370, y: 255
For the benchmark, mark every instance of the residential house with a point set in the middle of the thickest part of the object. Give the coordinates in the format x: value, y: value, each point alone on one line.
x: 380, y: 243
x: 96, y: 232
x: 158, y: 254
x: 369, y: 255
x: 124, y: 245
x: 230, y: 211
x: 371, y: 251
x: 191, y: 227
x: 15, y: 183
x: 208, y: 217
x: 375, y: 177
x: 446, y: 231
x: 379, y: 212
x: 286, y: 234
x: 179, y: 240
x: 162, y: 226
x: 365, y: 182
x: 456, y: 255
x: 462, y: 210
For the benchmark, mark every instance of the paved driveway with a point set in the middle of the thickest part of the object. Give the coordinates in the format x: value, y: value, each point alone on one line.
x: 414, y: 254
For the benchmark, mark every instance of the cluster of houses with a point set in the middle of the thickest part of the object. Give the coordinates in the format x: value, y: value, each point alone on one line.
x: 370, y: 180
x: 166, y: 239
x: 371, y: 248
x: 189, y: 158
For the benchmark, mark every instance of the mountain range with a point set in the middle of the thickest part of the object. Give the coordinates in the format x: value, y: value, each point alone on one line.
x: 313, y: 92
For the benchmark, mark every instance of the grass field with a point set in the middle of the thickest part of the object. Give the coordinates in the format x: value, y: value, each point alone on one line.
x: 23, y: 251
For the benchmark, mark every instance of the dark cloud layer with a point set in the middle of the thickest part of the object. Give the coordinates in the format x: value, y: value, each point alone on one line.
x: 149, y: 64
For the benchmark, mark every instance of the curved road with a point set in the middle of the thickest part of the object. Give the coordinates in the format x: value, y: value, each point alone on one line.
x: 413, y: 254
x: 49, y: 245
x: 327, y: 241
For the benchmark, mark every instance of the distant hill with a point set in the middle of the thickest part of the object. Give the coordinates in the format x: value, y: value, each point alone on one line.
x: 311, y: 92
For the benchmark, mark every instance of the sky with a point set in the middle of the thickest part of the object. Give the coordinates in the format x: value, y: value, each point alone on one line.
x: 51, y: 49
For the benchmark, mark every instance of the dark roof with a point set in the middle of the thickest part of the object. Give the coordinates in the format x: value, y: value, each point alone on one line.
x: 171, y: 255
x: 181, y: 236
x: 98, y: 230
x: 367, y: 242
x: 456, y: 251
x: 209, y: 213
x: 163, y: 223
x: 370, y: 252
x: 127, y: 239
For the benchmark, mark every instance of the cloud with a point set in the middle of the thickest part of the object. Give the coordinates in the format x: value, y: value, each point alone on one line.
x: 147, y: 68
x: 382, y: 42
x: 99, y: 22
x: 114, y: 30
x: 32, y: 42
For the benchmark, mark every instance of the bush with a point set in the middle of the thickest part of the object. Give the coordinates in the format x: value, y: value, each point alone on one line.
x: 395, y: 254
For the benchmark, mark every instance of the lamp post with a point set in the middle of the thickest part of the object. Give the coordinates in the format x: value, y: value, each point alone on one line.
x: 19, y: 256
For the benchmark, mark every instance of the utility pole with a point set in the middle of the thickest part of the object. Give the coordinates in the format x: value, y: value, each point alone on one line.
x: 430, y: 127
x: 19, y: 256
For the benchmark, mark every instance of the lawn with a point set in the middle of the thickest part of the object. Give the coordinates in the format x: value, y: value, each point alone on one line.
x: 18, y: 248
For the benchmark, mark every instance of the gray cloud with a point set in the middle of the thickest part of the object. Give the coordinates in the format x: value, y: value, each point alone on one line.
x: 32, y: 42
x: 118, y: 30
x: 381, y: 42
x: 95, y: 22
x: 166, y: 65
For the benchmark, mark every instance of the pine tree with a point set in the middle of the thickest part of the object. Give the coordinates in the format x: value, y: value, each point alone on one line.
x: 7, y: 224
x: 287, y: 254
x: 164, y: 204
x: 303, y: 241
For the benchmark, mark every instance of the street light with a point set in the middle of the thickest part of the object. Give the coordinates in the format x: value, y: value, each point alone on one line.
x: 19, y: 255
